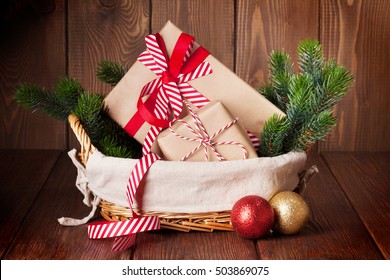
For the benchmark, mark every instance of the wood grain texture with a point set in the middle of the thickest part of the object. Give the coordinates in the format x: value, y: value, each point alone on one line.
x: 98, y: 30
x: 22, y: 175
x: 34, y: 42
x: 365, y: 179
x: 263, y: 26
x: 42, y: 237
x: 168, y: 245
x: 210, y: 21
x: 357, y: 35
x: 112, y: 30
x: 32, y: 49
x: 334, y: 231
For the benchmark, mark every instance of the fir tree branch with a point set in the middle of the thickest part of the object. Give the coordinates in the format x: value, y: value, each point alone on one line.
x: 109, y: 146
x: 281, y: 71
x: 268, y: 92
x: 272, y: 136
x: 88, y: 110
x: 110, y: 72
x: 130, y: 147
x: 68, y: 91
x: 307, y: 97
x: 298, y: 109
x: 310, y: 57
x: 105, y: 134
x: 315, y: 129
x: 336, y: 83
x: 30, y: 96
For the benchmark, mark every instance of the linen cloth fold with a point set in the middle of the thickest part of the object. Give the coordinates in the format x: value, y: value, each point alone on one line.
x: 195, y: 187
x: 90, y: 199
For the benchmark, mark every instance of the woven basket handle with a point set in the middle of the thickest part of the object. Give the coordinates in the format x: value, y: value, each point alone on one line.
x: 87, y: 148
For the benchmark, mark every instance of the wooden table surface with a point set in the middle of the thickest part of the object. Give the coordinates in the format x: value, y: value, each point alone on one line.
x: 349, y: 201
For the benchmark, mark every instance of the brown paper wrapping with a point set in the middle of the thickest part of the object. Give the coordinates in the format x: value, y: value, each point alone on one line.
x: 213, y: 116
x: 238, y: 97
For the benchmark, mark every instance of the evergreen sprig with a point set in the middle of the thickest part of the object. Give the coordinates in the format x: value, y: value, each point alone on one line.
x: 88, y: 110
x: 69, y: 97
x: 281, y: 71
x: 68, y: 91
x: 307, y: 97
x: 106, y: 135
x: 58, y: 104
x: 109, y: 146
x: 273, y: 136
x: 110, y: 72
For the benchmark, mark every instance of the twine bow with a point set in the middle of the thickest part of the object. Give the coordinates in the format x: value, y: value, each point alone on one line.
x: 201, y: 136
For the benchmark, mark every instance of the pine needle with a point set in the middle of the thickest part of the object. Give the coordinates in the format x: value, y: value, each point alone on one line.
x: 110, y: 72
x: 307, y: 97
x: 30, y: 96
x: 69, y: 97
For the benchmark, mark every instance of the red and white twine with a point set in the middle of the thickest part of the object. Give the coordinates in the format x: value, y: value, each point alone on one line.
x: 201, y: 136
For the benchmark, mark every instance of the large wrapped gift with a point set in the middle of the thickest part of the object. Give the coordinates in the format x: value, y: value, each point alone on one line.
x: 210, y: 134
x: 200, y: 79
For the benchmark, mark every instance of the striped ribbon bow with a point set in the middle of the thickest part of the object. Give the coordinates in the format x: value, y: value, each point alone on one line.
x: 202, y: 136
x: 165, y: 96
x: 167, y: 91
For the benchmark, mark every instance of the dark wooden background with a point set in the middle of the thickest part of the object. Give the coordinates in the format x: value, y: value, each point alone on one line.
x: 41, y: 41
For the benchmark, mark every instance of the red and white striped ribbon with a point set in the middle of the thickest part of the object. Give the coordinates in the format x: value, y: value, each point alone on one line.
x: 201, y: 136
x: 254, y: 139
x: 170, y: 92
x: 124, y: 231
x: 138, y: 173
x: 154, y: 59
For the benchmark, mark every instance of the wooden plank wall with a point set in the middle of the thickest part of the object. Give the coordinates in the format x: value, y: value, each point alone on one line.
x: 41, y: 42
x: 32, y: 49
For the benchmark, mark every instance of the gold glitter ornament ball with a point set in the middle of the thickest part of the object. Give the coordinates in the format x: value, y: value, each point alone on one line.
x: 291, y: 212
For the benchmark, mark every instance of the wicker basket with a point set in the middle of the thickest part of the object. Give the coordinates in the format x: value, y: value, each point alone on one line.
x: 185, y: 222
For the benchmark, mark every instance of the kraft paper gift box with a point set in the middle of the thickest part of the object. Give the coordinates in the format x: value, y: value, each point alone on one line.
x: 213, y: 117
x: 240, y: 99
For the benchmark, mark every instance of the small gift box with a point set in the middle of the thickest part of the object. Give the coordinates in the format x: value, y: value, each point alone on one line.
x: 173, y: 67
x: 210, y: 134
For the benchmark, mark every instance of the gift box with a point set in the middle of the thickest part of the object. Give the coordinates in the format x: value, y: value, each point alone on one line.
x: 222, y: 84
x: 210, y: 134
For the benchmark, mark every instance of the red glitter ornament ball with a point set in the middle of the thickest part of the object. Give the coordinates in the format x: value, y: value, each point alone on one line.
x: 252, y: 217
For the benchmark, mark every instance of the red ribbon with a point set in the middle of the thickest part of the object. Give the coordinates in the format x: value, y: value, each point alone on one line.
x: 172, y: 75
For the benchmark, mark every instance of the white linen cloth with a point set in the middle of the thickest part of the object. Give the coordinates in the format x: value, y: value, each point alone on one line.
x: 188, y: 187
